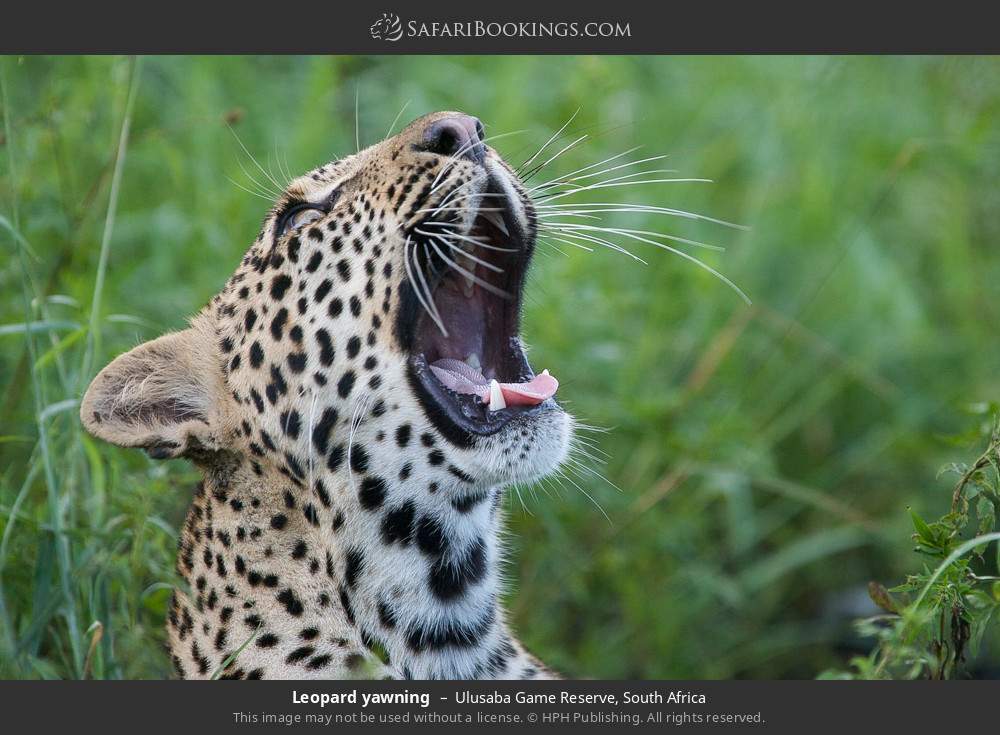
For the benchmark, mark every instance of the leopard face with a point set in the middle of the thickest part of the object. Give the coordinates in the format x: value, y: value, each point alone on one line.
x: 381, y: 301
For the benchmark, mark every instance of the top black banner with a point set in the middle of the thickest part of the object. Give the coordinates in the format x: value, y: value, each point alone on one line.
x: 393, y: 27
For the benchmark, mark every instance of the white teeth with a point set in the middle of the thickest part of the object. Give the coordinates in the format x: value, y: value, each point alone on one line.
x: 473, y: 361
x: 496, y: 219
x: 496, y: 397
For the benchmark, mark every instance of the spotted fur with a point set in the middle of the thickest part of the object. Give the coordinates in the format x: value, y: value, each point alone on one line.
x: 337, y: 528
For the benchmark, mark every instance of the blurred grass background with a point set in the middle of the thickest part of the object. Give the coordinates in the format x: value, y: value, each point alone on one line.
x: 765, y: 455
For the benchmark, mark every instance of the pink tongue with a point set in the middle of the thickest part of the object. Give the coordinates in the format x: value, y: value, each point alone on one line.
x: 461, y: 378
x: 536, y: 390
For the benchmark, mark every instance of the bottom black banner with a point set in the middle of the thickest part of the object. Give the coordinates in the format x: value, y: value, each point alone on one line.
x: 259, y: 707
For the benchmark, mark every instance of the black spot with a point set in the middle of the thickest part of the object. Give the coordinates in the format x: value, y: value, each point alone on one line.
x: 321, y: 431
x: 464, y: 477
x: 386, y: 615
x: 300, y: 550
x: 279, y: 521
x: 249, y: 319
x: 454, y: 634
x: 256, y: 355
x: 346, y: 384
x: 314, y: 261
x: 449, y: 578
x: 403, y: 434
x: 372, y: 493
x: 397, y: 525
x: 325, y: 347
x: 336, y: 458
x: 353, y: 566
x: 278, y: 380
x: 467, y: 502
x: 267, y: 640
x: 279, y: 285
x: 345, y: 602
x: 435, y: 457
x: 299, y: 653
x: 295, y: 466
x: 318, y: 662
x: 359, y: 459
x: 322, y: 291
x: 297, y: 361
x: 324, y: 496
x: 353, y: 346
x: 290, y: 423
x: 308, y: 634
x: 292, y: 603
x: 278, y: 324
x: 309, y: 511
x: 336, y: 306
x: 344, y: 269
x: 430, y: 536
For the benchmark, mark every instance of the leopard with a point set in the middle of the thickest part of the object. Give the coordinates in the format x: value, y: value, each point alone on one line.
x: 356, y: 398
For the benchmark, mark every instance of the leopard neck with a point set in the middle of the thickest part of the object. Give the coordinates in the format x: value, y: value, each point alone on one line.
x: 411, y: 573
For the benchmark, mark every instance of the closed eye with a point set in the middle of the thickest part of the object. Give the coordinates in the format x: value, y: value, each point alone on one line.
x: 298, y: 215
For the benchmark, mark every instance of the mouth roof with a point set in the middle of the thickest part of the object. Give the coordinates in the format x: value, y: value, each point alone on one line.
x: 467, y: 359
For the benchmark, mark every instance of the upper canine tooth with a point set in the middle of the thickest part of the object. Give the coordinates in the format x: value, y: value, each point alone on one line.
x: 497, y: 220
x: 473, y: 361
x: 496, y: 397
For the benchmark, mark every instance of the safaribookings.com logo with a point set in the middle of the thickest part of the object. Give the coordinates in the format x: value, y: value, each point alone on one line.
x: 387, y: 28
x: 390, y: 28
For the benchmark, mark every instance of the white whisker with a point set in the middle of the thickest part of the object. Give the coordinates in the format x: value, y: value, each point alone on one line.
x: 545, y: 145
x: 592, y: 187
x: 396, y: 119
x: 471, y: 276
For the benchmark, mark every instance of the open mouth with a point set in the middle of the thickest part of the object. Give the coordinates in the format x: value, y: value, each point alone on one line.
x: 467, y: 361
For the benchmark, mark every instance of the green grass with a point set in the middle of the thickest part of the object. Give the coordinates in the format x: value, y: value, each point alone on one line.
x: 765, y: 455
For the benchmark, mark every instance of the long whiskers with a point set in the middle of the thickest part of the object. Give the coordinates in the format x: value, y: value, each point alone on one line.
x: 420, y: 287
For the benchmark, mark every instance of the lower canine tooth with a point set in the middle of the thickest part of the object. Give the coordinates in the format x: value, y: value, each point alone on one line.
x: 473, y: 361
x: 496, y: 397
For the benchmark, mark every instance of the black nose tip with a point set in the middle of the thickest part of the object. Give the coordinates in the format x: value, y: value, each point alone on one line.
x: 459, y: 135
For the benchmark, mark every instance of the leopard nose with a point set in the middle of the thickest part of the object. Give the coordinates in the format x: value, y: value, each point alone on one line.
x: 458, y: 135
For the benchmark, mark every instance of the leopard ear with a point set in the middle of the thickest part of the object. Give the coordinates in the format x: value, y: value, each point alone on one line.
x: 164, y: 396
